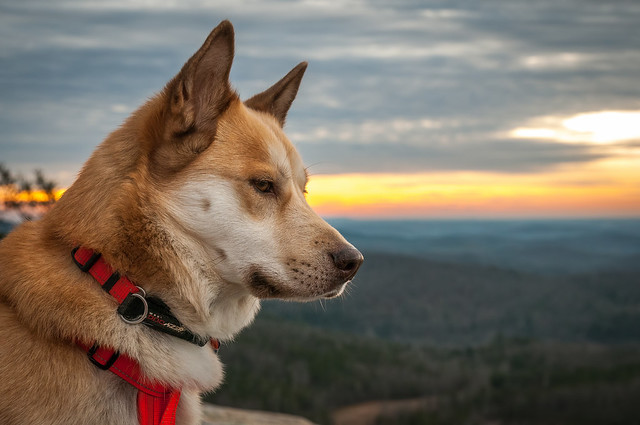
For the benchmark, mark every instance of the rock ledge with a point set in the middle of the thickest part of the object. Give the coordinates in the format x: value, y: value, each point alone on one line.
x: 218, y: 415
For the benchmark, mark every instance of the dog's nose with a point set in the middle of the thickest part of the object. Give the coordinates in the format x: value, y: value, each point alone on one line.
x: 348, y: 261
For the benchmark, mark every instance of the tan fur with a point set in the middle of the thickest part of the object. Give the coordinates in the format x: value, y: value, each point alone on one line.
x: 170, y: 199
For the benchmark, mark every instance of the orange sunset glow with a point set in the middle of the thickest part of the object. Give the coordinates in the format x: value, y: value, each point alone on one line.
x: 605, y: 188
x: 29, y: 196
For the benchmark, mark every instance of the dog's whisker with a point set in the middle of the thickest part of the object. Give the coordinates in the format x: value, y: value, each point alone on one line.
x: 324, y: 308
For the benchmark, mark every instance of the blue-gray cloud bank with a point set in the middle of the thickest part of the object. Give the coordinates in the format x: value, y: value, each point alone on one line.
x: 399, y: 86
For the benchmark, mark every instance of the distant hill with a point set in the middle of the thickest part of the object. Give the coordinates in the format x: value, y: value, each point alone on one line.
x: 325, y: 376
x: 540, y: 246
x: 413, y: 299
x: 458, y: 335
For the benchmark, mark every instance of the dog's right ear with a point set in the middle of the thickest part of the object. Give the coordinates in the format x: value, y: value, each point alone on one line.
x: 196, y: 97
x: 277, y: 99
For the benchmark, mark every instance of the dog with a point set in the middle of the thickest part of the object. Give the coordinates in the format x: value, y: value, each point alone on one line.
x: 196, y: 207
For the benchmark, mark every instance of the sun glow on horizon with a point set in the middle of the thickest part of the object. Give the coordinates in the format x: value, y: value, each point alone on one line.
x: 605, y: 188
x: 31, y: 196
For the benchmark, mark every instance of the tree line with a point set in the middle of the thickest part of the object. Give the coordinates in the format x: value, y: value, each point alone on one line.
x: 27, y: 197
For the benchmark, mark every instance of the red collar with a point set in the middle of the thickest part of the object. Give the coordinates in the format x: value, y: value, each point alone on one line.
x: 157, y: 403
x: 134, y: 305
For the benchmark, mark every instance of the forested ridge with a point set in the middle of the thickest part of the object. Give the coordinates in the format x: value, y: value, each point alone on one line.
x: 480, y: 343
x: 405, y: 298
x: 280, y: 366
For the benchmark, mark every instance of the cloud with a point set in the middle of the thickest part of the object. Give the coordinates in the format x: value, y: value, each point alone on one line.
x: 504, y: 156
x: 396, y: 130
x: 403, y: 85
x: 599, y: 127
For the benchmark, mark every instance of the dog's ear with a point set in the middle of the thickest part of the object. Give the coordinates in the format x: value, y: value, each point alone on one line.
x: 278, y: 98
x: 201, y: 91
x: 196, y: 98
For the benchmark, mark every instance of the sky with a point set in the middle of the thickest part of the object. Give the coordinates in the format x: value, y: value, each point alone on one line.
x: 408, y: 108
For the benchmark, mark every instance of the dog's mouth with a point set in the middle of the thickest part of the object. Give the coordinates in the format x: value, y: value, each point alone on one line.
x: 263, y: 286
x: 334, y: 293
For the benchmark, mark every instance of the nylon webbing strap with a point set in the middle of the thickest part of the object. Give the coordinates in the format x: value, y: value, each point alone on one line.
x: 157, y: 410
x: 125, y: 367
x: 119, y: 287
x: 157, y: 404
x: 134, y: 306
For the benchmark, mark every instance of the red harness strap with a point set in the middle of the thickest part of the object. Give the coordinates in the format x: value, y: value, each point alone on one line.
x: 157, y: 403
x: 157, y: 411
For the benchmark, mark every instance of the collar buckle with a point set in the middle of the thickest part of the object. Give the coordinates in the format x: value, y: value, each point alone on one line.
x: 134, y: 309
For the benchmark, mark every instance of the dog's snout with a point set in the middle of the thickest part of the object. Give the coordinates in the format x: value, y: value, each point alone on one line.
x: 347, y: 260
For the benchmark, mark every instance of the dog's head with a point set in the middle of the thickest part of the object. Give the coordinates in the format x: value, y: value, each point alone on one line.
x: 236, y: 184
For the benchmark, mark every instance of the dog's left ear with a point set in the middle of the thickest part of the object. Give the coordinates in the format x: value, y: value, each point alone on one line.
x: 195, y: 99
x: 277, y: 99
x: 201, y: 91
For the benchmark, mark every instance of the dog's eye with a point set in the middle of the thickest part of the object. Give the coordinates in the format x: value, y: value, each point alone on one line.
x: 264, y: 186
